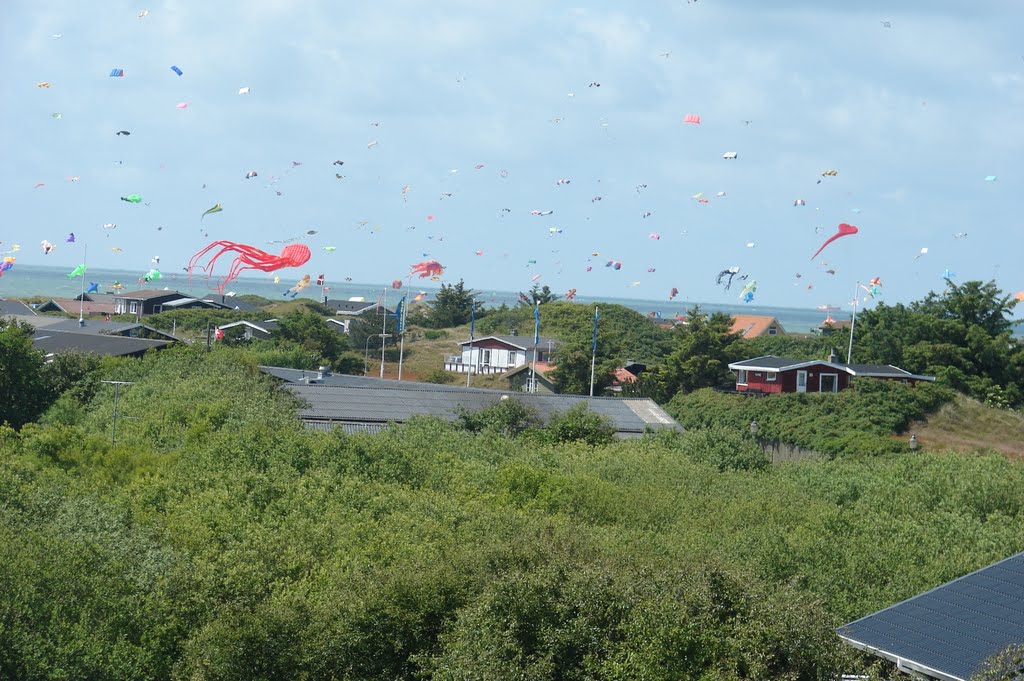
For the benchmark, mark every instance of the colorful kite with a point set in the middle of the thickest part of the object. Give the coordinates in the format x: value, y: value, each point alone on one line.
x: 152, y: 275
x: 1018, y: 296
x: 249, y: 258
x: 799, y: 202
x: 94, y: 287
x: 924, y: 251
x: 47, y: 247
x: 216, y: 209
x: 673, y: 293
x: 747, y: 294
x: 396, y: 284
x: 428, y: 268
x: 6, y: 264
x: 70, y: 238
x: 843, y: 230
x: 132, y: 198
x: 730, y: 155
x: 77, y: 272
x: 117, y: 73
x: 726, y: 276
x: 176, y: 70
x: 571, y: 294
x: 301, y: 284
x: 419, y: 296
x: 251, y: 174
x: 691, y: 118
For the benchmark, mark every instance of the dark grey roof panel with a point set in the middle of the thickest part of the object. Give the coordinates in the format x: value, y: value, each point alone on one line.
x: 384, y: 401
x: 114, y: 346
x: 770, y: 362
x: 953, y: 628
x: 14, y: 307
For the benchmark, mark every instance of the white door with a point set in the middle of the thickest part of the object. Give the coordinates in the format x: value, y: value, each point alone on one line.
x: 801, y: 381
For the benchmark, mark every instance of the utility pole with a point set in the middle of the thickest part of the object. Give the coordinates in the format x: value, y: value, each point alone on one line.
x: 113, y: 429
x: 853, y: 323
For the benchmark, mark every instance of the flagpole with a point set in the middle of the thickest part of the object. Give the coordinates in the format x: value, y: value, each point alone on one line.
x: 472, y: 324
x: 853, y: 323
x: 593, y: 353
x: 384, y: 329
x: 81, y: 298
x: 405, y: 318
x: 536, y: 341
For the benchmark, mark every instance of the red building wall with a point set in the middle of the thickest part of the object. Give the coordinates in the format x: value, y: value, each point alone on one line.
x: 785, y: 381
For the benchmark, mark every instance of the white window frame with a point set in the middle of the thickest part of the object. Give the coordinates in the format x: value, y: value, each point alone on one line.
x: 771, y: 376
x: 485, y: 356
x: 741, y: 377
x: 133, y: 307
x: 835, y: 384
x: 772, y: 331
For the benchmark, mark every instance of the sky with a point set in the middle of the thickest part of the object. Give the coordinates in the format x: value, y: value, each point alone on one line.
x: 454, y: 120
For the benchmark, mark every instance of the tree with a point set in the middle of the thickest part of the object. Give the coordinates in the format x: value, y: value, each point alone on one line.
x: 538, y: 295
x: 704, y: 348
x: 23, y: 392
x: 311, y: 331
x: 452, y: 306
x: 963, y: 337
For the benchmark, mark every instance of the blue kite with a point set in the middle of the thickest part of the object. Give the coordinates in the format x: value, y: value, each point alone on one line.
x: 176, y: 70
x: 117, y: 73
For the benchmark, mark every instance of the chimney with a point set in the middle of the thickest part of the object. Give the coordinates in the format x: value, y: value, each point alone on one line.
x: 834, y: 356
x: 322, y: 371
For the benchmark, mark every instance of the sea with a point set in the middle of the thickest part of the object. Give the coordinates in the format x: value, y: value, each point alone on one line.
x: 27, y: 281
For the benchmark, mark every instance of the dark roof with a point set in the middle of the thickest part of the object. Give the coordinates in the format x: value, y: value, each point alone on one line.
x: 773, y: 363
x: 96, y: 297
x: 950, y: 631
x: 50, y: 342
x: 229, y: 303
x: 14, y: 307
x: 269, y: 326
x: 352, y: 306
x: 150, y: 293
x: 397, y: 401
x: 92, y: 326
x: 521, y: 342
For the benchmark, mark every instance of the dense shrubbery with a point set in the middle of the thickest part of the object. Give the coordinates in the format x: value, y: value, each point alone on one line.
x: 860, y: 421
x: 218, y: 539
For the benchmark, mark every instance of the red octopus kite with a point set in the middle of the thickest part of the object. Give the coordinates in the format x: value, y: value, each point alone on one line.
x: 844, y: 230
x: 428, y: 268
x: 249, y: 258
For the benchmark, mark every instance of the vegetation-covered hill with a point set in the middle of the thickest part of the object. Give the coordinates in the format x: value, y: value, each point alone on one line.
x: 217, y: 539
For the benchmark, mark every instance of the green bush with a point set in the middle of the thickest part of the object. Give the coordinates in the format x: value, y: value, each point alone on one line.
x: 435, y: 334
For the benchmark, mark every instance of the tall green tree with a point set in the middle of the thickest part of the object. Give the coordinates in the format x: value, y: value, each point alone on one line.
x: 23, y: 390
x: 963, y: 336
x: 700, y: 359
x: 537, y: 295
x: 452, y: 306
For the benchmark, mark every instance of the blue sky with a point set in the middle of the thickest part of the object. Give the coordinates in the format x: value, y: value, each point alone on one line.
x: 913, y: 116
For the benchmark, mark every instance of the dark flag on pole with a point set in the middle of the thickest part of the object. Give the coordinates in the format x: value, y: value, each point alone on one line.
x: 536, y: 324
x: 399, y: 322
x: 472, y: 320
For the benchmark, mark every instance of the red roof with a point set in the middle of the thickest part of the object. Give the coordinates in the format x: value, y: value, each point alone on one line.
x: 622, y: 376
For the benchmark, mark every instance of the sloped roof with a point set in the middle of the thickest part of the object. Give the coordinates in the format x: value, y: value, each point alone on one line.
x: 542, y: 368
x: 70, y: 305
x: 352, y: 306
x: 386, y: 401
x: 146, y: 294
x: 752, y: 326
x: 520, y: 342
x: 50, y: 341
x: 773, y: 363
x: 948, y: 632
x: 15, y: 308
x: 268, y: 326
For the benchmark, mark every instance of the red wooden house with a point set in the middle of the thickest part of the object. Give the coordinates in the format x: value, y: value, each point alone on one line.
x: 771, y: 374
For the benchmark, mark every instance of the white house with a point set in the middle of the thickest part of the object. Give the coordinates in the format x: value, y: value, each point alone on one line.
x: 498, y: 354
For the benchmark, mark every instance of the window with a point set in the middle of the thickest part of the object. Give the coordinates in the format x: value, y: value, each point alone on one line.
x: 741, y: 377
x: 133, y: 307
x: 772, y: 331
x: 485, y: 356
x: 771, y: 375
